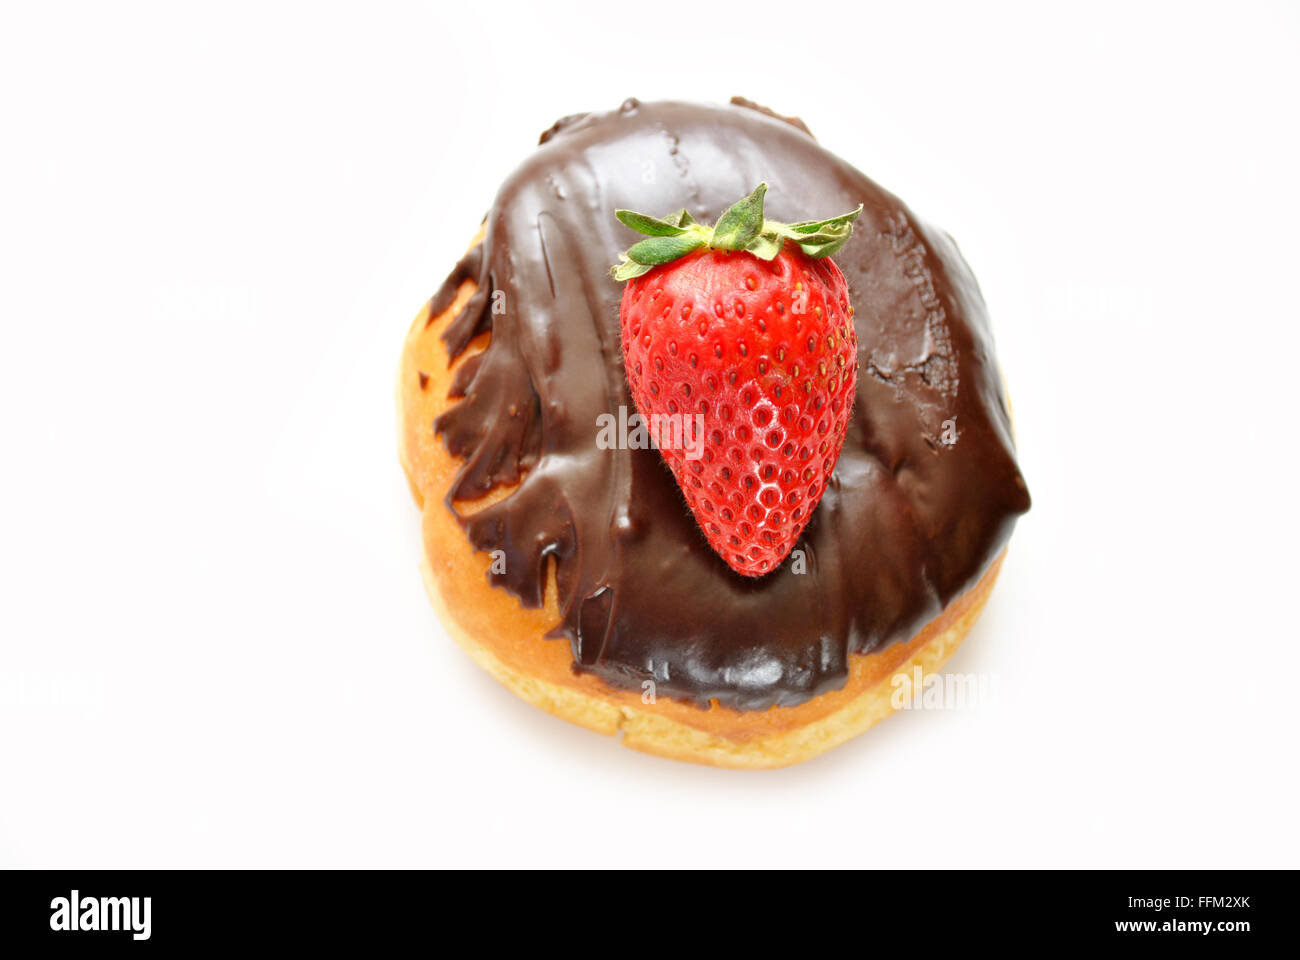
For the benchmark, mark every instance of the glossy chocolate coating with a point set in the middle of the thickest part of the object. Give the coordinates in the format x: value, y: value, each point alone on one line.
x: 907, y: 522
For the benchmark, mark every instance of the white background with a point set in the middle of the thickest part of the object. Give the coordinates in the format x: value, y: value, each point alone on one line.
x: 216, y: 224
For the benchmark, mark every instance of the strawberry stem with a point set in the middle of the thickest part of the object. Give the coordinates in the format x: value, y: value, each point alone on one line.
x: 742, y: 227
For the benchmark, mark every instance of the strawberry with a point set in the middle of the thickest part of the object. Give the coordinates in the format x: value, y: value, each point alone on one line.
x: 744, y: 329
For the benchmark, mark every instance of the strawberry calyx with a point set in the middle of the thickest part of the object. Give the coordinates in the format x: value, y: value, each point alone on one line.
x: 742, y: 227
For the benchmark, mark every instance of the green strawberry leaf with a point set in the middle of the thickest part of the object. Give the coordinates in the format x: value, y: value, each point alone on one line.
x: 824, y: 235
x: 818, y: 250
x: 659, y: 250
x: 741, y: 223
x: 650, y: 226
x: 766, y: 246
x: 627, y: 269
x: 812, y: 226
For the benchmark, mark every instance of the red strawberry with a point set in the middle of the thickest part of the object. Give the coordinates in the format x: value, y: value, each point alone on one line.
x: 747, y: 324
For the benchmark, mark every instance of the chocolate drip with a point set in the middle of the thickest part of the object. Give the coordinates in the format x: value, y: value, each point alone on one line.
x: 909, y: 520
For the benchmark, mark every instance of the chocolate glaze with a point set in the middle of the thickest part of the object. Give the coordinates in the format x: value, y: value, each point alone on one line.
x: 907, y: 522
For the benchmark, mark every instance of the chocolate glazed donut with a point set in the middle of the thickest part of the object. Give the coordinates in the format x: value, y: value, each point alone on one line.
x: 923, y: 498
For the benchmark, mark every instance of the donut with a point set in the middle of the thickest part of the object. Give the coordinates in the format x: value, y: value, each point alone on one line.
x: 574, y: 572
